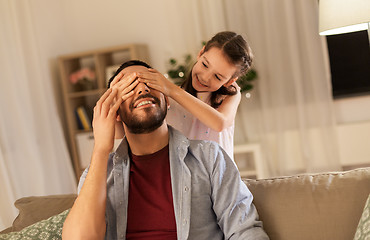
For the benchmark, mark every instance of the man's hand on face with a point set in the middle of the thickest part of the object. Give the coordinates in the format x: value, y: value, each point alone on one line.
x: 105, y: 114
x: 124, y: 84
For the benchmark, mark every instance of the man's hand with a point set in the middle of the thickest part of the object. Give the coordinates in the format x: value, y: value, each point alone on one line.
x: 105, y: 114
x: 124, y: 86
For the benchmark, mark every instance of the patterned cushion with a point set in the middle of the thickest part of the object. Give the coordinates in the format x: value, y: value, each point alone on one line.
x: 50, y: 229
x: 363, y: 229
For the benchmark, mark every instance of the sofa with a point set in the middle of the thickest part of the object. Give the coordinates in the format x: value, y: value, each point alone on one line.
x: 323, y: 206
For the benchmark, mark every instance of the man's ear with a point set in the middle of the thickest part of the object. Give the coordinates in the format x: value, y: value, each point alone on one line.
x: 231, y: 81
x: 168, y: 102
x: 201, y: 52
x: 118, y: 118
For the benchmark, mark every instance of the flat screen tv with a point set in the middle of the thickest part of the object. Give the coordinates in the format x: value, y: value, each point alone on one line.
x: 349, y: 56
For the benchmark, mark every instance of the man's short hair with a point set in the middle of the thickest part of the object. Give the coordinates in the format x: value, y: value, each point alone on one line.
x: 128, y: 64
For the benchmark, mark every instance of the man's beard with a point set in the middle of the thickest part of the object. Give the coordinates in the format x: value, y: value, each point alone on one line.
x: 153, y: 117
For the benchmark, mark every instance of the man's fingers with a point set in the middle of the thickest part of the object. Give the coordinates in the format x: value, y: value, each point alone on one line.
x: 102, y: 99
x: 126, y: 81
x: 126, y: 96
x: 125, y: 90
x: 115, y: 107
x: 106, y: 105
x: 116, y: 79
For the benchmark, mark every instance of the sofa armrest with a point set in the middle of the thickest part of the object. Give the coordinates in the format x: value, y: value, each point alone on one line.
x: 36, y: 208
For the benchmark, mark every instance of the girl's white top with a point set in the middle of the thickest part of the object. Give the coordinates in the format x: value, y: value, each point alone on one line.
x: 192, y: 128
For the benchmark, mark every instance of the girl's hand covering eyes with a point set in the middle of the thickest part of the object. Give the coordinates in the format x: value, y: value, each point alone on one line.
x: 157, y: 81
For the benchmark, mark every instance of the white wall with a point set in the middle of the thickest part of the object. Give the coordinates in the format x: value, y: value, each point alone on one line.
x: 69, y: 26
x: 353, y: 118
x: 76, y: 25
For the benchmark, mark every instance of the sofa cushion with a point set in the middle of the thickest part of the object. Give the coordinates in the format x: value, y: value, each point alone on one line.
x: 50, y: 228
x: 363, y: 228
x: 37, y: 208
x: 312, y: 206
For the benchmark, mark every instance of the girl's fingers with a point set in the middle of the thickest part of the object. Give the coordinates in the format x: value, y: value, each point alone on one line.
x: 153, y: 70
x: 147, y: 75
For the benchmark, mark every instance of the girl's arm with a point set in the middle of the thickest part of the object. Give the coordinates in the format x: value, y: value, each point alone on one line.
x: 217, y: 119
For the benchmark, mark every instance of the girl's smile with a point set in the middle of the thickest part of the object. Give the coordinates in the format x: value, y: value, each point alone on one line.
x: 212, y: 70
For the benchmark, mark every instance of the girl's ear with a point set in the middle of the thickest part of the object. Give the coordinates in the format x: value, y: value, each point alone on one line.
x: 201, y: 52
x: 231, y: 81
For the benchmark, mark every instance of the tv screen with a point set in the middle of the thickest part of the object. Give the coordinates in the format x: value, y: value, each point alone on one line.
x: 349, y: 56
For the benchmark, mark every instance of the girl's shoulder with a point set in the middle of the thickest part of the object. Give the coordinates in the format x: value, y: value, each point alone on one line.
x: 233, y: 99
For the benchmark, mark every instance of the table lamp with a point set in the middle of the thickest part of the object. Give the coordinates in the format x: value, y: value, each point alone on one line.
x: 343, y: 16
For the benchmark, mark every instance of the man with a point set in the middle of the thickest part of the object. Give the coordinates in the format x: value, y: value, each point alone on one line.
x: 157, y: 184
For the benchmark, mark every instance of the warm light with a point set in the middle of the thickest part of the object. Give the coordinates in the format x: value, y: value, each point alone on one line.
x: 342, y: 16
x: 352, y: 28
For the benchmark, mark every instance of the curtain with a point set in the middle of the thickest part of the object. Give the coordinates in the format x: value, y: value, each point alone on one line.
x: 33, y: 155
x: 290, y: 113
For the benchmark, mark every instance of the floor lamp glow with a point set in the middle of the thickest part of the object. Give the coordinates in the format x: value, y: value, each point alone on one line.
x: 343, y: 16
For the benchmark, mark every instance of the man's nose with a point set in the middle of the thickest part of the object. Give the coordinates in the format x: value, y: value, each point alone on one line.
x: 142, y: 88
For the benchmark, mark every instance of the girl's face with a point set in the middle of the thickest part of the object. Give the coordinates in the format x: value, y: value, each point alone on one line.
x: 212, y: 70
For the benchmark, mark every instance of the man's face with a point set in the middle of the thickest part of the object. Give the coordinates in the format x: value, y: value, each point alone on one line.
x: 146, y: 110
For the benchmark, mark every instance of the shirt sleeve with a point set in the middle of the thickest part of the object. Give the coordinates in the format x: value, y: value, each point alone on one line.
x: 82, y: 179
x: 232, y: 201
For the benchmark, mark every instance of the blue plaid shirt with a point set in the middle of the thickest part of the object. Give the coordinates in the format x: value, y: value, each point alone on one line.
x: 210, y: 200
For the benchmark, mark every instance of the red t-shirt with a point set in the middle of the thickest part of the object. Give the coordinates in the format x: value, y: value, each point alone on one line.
x: 150, y: 212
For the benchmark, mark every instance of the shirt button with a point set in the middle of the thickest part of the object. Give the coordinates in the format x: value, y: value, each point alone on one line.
x: 185, y: 222
x: 186, y: 189
x: 120, y: 202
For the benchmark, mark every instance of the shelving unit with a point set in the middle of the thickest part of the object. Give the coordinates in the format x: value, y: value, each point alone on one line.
x: 101, y: 61
x: 249, y: 160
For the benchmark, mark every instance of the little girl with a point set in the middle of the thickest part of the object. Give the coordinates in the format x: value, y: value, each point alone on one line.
x: 205, y: 106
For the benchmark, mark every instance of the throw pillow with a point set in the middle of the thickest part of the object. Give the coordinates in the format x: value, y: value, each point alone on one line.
x: 36, y: 208
x: 49, y: 229
x: 363, y: 229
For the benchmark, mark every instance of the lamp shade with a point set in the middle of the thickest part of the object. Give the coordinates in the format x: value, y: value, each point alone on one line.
x: 341, y: 16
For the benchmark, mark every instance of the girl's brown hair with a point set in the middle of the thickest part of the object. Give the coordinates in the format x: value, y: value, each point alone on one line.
x: 239, y: 53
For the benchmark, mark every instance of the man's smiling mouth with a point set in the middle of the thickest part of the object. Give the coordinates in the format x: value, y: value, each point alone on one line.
x: 144, y: 103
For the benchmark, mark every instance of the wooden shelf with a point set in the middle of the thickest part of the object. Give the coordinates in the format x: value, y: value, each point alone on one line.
x: 99, y: 61
x: 86, y: 93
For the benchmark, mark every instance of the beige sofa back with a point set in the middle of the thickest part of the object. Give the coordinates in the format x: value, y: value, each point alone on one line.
x: 313, y: 207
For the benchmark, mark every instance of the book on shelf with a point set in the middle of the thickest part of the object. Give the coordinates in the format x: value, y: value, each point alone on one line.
x: 83, y: 120
x: 78, y: 120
